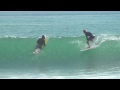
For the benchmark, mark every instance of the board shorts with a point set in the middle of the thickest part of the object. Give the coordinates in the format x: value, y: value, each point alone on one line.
x: 39, y: 46
x: 91, y: 38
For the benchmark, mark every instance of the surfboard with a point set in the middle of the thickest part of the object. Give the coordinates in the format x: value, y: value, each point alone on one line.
x: 46, y: 40
x: 92, y: 47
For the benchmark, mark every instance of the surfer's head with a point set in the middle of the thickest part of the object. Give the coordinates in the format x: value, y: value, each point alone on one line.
x: 84, y: 31
x: 43, y: 37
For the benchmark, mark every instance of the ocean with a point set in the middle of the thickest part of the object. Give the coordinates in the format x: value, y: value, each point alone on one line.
x: 62, y: 57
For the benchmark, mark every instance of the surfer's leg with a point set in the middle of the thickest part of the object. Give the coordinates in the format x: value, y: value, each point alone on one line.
x: 88, y: 43
x: 37, y: 47
x: 91, y: 39
x: 93, y: 42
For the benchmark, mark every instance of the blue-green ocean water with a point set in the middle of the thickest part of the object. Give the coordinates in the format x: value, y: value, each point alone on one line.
x: 61, y: 58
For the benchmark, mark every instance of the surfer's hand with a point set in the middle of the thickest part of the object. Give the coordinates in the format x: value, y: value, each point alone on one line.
x: 87, y: 39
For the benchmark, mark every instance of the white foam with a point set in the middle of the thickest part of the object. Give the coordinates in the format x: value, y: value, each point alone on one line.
x: 108, y: 37
x: 36, y: 51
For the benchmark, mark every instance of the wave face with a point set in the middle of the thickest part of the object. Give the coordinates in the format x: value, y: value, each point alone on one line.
x: 61, y: 53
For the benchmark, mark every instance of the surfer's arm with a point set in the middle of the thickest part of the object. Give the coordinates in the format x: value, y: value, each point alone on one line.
x: 38, y: 40
x: 86, y: 37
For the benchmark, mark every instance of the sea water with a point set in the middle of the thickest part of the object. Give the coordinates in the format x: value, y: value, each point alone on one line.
x: 62, y: 57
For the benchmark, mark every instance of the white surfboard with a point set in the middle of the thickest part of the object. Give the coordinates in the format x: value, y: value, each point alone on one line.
x: 92, y: 47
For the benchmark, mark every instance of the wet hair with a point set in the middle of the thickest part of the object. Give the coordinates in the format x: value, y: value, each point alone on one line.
x: 43, y: 36
x: 84, y: 31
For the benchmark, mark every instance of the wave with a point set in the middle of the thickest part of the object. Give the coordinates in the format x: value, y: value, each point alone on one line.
x: 61, y: 52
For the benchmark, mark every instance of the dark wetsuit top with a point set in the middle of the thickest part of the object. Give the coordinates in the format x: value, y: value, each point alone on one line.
x: 40, y: 42
x: 90, y: 36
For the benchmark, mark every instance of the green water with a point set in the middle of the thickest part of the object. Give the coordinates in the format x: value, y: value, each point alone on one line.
x: 58, y: 53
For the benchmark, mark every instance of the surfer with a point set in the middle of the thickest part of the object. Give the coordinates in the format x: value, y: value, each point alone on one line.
x: 40, y: 42
x: 89, y: 37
